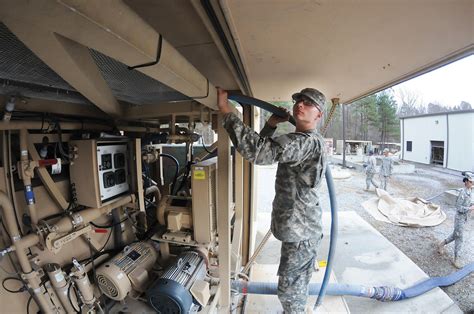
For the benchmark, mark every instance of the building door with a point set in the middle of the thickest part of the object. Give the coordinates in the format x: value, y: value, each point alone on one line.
x: 437, y: 153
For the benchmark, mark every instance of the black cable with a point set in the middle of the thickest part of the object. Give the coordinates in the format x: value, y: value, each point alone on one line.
x: 173, y: 184
x: 22, y: 289
x: 10, y: 174
x: 70, y: 300
x: 205, y: 148
x: 92, y: 259
x: 109, y: 226
x: 60, y: 144
x: 28, y: 304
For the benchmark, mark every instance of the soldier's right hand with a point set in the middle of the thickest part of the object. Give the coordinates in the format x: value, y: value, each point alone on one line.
x: 274, y: 119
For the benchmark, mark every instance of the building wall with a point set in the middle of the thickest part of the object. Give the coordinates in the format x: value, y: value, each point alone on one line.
x: 455, y: 130
x: 421, y: 131
x: 461, y: 142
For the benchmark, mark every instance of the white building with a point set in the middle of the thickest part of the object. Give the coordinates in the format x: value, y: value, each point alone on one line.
x: 445, y: 139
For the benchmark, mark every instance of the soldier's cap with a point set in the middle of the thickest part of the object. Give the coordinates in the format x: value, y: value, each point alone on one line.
x: 385, y: 150
x: 312, y: 94
x: 468, y: 176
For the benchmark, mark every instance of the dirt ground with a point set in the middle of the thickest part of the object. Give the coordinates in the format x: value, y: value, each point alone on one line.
x: 417, y: 243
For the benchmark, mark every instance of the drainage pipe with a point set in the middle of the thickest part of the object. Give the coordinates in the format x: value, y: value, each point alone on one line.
x: 332, y: 195
x: 381, y: 293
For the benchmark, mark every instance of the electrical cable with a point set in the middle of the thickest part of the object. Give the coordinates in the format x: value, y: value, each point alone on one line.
x: 205, y: 148
x: 70, y: 300
x: 28, y: 304
x: 109, y: 226
x: 23, y: 288
x: 176, y: 162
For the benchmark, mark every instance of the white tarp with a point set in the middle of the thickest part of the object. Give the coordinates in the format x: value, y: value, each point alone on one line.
x: 411, y: 212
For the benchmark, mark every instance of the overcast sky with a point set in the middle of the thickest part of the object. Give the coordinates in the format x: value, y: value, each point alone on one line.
x: 448, y: 85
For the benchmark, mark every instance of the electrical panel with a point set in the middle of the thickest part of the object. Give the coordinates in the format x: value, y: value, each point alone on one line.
x: 100, y: 171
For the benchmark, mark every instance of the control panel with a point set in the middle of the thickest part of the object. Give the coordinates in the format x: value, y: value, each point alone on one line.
x: 112, y: 172
x: 100, y: 172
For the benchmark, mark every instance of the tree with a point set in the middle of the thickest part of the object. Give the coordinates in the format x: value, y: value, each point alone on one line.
x: 366, y: 110
x: 410, y: 103
x: 387, y: 121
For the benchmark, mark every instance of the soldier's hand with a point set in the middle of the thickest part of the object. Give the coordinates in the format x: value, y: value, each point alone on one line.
x: 222, y: 101
x: 274, y: 119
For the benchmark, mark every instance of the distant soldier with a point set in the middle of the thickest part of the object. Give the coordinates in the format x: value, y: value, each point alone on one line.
x: 370, y: 171
x: 463, y: 206
x: 386, y: 169
x: 348, y: 149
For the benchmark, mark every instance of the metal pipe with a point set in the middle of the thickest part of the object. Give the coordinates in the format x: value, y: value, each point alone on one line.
x: 39, y: 125
x: 9, y: 217
x: 60, y: 285
x: 27, y: 174
x: 85, y: 216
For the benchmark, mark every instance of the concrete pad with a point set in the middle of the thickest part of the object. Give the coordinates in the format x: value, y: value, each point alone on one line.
x: 270, y: 303
x: 365, y: 257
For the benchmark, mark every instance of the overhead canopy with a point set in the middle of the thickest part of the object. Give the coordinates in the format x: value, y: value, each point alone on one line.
x: 264, y: 48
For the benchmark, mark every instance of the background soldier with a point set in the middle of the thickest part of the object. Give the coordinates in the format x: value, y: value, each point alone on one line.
x: 463, y: 206
x: 386, y: 169
x: 296, y: 214
x: 370, y: 171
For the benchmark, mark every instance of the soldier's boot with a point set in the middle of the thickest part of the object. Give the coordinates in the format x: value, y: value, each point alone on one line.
x: 440, y: 247
x: 457, y: 263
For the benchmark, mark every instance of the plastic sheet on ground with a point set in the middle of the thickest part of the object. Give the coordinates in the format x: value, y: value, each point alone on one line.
x: 338, y: 173
x: 411, y: 212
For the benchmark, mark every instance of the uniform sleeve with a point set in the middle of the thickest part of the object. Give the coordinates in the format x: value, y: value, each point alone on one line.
x: 267, y: 131
x: 391, y: 166
x: 461, y: 202
x: 289, y: 148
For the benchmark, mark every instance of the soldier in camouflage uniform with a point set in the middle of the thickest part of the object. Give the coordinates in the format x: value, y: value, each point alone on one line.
x: 296, y: 215
x: 463, y: 206
x: 385, y: 169
x: 370, y: 171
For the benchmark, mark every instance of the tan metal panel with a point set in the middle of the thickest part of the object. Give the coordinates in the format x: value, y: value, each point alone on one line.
x: 224, y: 194
x: 83, y: 173
x: 203, y: 183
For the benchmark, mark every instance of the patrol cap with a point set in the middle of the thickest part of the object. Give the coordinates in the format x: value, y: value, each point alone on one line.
x: 468, y: 176
x: 313, y: 94
x: 385, y: 150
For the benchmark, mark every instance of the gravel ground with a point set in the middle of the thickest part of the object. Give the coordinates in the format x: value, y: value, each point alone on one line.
x: 417, y: 243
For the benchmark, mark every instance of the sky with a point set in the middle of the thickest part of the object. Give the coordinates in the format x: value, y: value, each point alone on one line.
x: 447, y: 86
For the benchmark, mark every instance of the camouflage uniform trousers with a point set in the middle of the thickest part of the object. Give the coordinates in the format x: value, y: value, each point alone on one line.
x: 295, y: 271
x: 370, y: 179
x: 457, y: 235
x: 384, y: 181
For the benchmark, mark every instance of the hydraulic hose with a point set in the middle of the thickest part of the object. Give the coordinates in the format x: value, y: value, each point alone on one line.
x: 382, y: 293
x: 329, y: 181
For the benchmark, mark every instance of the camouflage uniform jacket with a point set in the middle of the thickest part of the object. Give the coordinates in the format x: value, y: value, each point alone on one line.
x: 387, y: 166
x: 463, y: 201
x: 371, y: 165
x: 296, y: 214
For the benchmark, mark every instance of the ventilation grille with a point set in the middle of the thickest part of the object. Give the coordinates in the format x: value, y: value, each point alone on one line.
x: 22, y: 72
x: 107, y: 286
